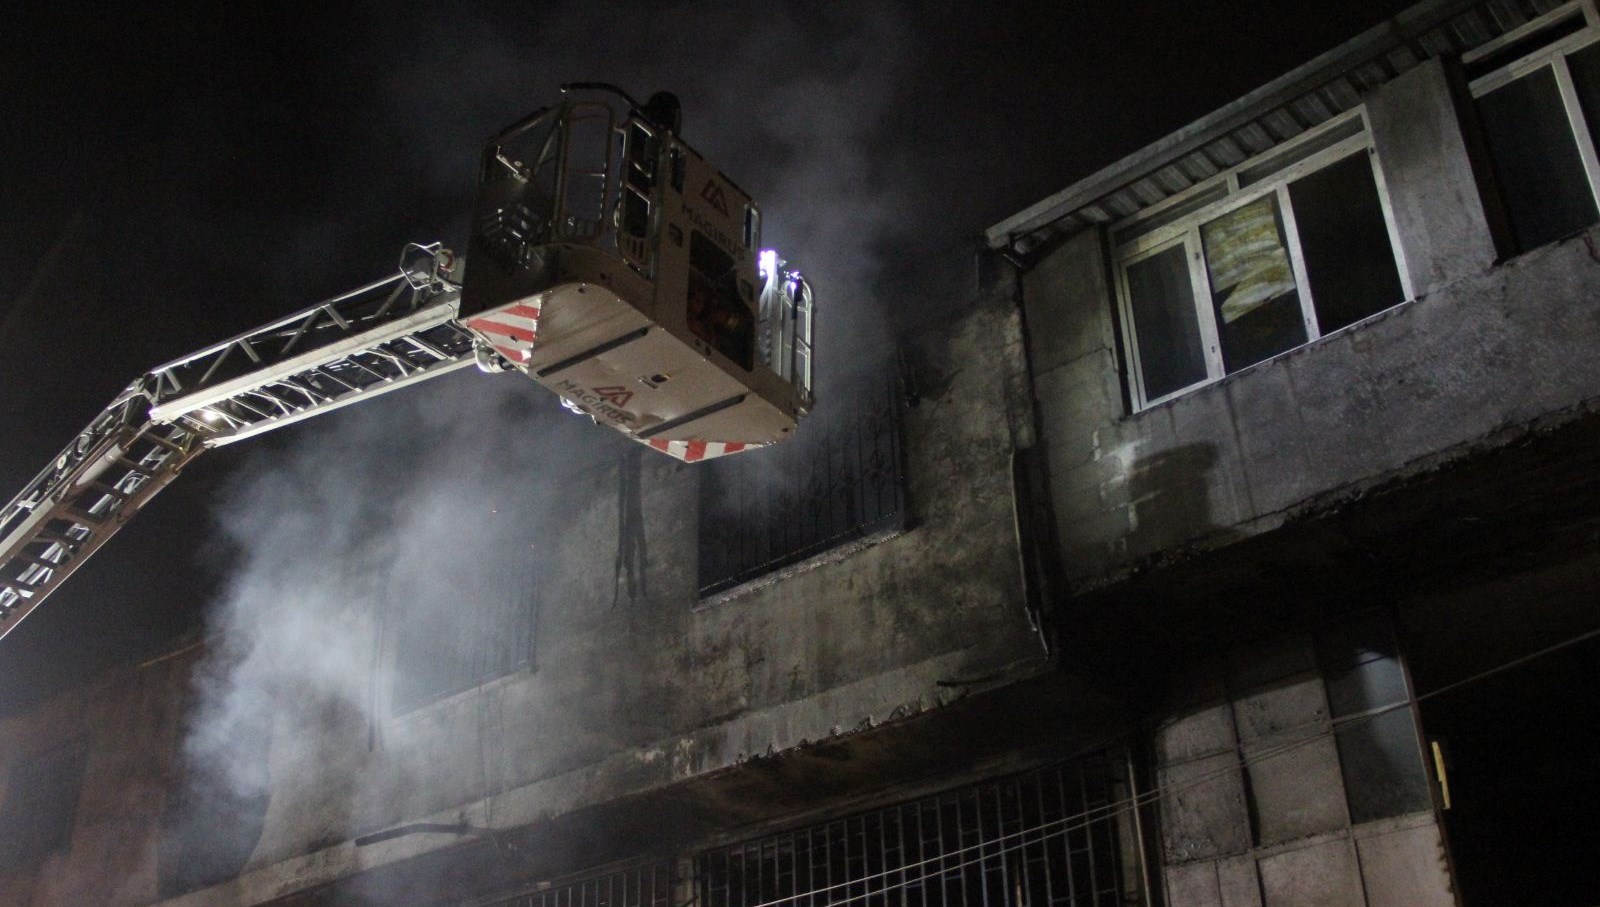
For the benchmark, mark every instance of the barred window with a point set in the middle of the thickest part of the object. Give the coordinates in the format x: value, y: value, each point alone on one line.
x: 1278, y: 251
x: 462, y: 627
x: 1056, y: 837
x: 840, y: 481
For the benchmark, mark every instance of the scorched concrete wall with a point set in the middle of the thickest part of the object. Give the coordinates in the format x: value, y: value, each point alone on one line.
x: 628, y: 692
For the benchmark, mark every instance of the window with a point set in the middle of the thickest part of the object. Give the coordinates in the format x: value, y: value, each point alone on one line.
x: 461, y: 627
x: 1050, y: 838
x: 41, y: 803
x: 1278, y: 251
x: 838, y: 482
x: 1539, y: 117
x: 719, y: 311
x: 639, y: 186
x: 1376, y: 735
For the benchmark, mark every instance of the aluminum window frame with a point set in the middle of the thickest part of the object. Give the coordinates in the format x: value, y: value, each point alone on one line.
x: 1186, y: 230
x: 1553, y: 55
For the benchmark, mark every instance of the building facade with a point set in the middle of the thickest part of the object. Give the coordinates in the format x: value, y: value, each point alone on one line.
x: 1236, y: 545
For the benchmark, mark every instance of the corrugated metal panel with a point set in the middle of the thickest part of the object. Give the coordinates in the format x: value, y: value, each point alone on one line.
x: 1123, y: 204
x: 1438, y: 43
x: 1341, y: 92
x: 1312, y: 109
x: 1198, y: 167
x: 1402, y: 59
x: 1226, y: 151
x: 1147, y: 192
x: 1368, y: 76
x: 1172, y: 180
x: 1471, y: 29
x: 1282, y: 124
x: 1254, y: 137
x: 1506, y: 14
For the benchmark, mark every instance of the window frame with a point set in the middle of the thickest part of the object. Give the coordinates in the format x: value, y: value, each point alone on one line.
x: 874, y: 400
x: 1553, y: 55
x: 399, y: 622
x: 1185, y: 230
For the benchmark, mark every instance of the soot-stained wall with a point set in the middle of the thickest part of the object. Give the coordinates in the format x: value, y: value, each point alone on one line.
x: 633, y: 686
x: 1465, y: 366
x: 1481, y: 353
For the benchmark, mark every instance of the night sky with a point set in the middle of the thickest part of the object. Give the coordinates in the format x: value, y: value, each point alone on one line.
x: 174, y: 177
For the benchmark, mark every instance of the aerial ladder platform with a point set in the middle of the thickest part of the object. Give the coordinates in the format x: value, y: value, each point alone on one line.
x: 611, y: 263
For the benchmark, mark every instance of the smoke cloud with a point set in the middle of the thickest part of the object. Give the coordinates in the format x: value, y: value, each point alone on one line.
x: 422, y: 510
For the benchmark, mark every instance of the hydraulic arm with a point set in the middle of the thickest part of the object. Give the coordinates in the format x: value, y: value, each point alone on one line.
x: 612, y: 263
x: 386, y: 335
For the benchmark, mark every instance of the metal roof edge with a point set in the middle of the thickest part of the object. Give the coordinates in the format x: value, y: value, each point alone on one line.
x: 1408, y: 23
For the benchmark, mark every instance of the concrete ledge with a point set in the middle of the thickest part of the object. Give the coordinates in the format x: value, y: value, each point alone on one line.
x: 1473, y: 366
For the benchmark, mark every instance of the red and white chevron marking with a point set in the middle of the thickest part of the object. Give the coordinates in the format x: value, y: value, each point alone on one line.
x: 695, y: 451
x: 511, y: 330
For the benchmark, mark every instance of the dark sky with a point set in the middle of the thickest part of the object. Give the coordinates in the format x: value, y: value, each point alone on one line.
x: 171, y: 178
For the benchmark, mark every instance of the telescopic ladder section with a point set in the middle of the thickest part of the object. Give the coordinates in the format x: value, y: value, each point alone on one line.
x: 386, y: 335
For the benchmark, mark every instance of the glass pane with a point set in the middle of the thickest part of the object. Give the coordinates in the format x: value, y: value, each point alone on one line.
x: 1585, y: 65
x: 1252, y: 284
x: 1375, y: 680
x: 1536, y: 160
x: 588, y: 167
x: 1361, y: 665
x: 1161, y: 296
x: 1383, y: 771
x: 1345, y: 243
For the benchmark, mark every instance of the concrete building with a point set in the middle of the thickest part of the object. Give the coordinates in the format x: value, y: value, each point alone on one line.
x: 1237, y: 545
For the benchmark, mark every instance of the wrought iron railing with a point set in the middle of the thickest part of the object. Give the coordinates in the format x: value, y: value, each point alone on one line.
x: 841, y: 481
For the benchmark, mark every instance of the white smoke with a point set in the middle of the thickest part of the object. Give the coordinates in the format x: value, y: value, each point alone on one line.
x: 400, y: 503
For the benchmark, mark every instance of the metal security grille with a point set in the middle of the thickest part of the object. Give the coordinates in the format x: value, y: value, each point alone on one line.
x: 644, y: 886
x: 460, y: 625
x: 840, y: 481
x: 1048, y: 838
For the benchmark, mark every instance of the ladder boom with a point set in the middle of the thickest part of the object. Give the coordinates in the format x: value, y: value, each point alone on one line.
x: 386, y: 335
x: 377, y: 338
x: 83, y: 497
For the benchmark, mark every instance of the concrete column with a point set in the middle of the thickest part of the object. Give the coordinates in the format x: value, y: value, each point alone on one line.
x: 1068, y: 303
x: 1072, y: 352
x: 1439, y: 186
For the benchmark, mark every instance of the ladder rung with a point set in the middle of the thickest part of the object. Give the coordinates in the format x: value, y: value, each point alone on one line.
x: 103, y: 488
x: 59, y: 538
x: 33, y: 559
x: 157, y: 439
x: 131, y: 466
x: 79, y: 516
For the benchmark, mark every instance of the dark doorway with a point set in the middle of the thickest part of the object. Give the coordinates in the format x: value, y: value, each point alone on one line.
x: 1521, y: 754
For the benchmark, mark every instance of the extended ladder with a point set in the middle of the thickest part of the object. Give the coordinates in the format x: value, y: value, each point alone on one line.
x: 386, y: 335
